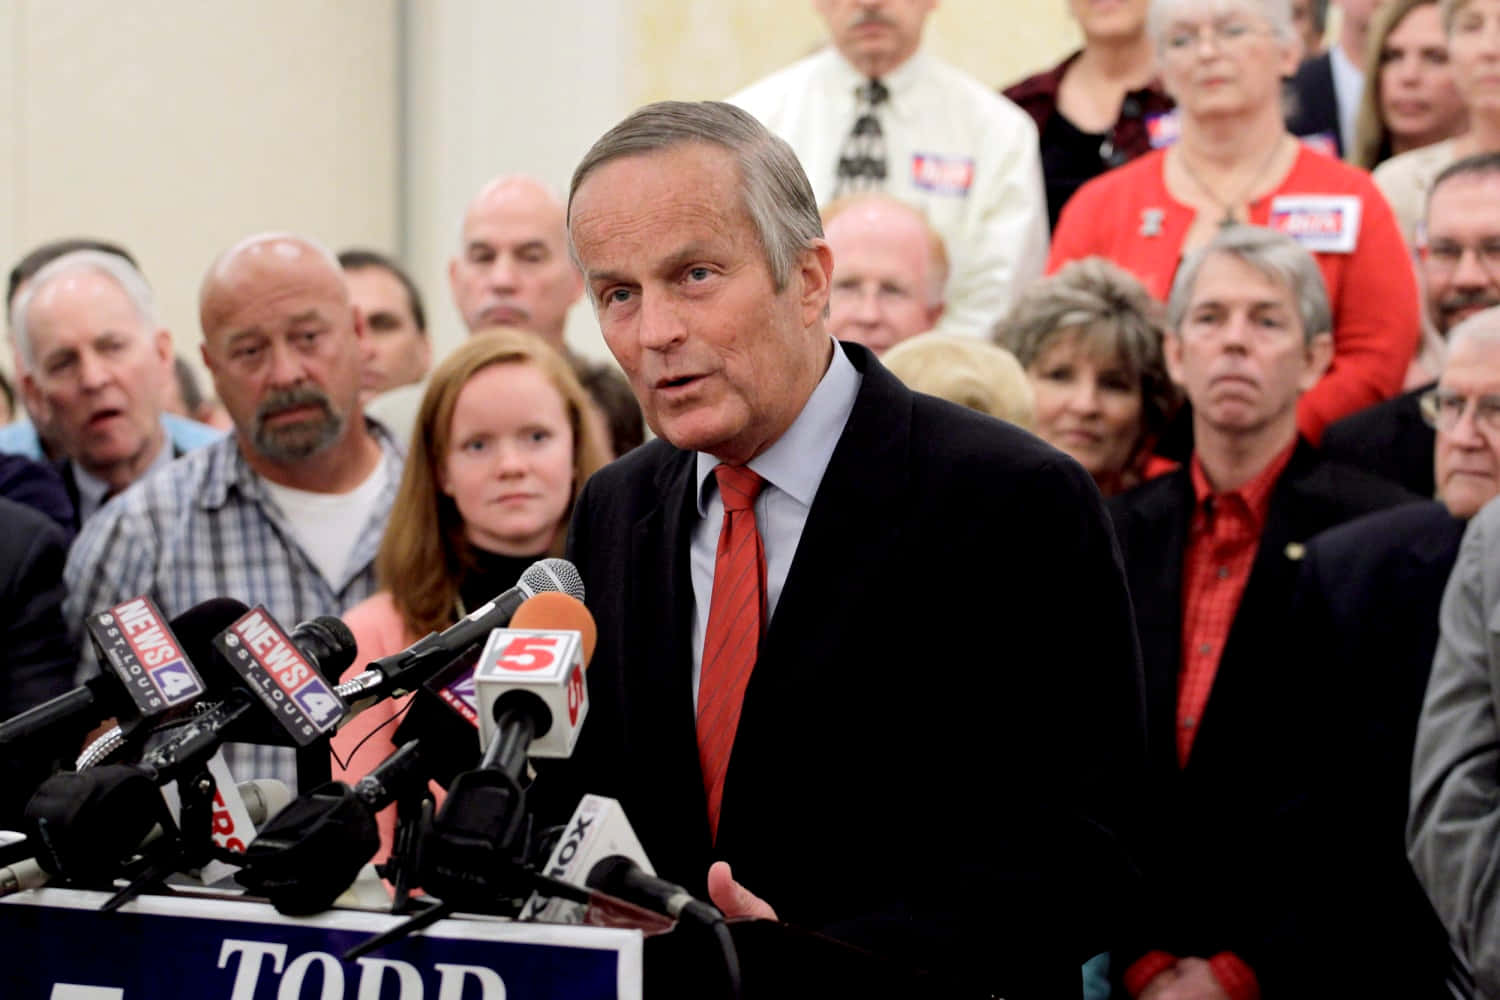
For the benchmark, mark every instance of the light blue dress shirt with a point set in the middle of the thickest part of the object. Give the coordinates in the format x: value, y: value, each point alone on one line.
x: 793, y: 468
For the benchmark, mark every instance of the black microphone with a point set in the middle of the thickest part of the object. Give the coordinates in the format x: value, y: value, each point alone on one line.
x: 395, y: 675
x: 325, y: 642
x: 146, y: 671
x: 312, y: 850
x: 622, y: 878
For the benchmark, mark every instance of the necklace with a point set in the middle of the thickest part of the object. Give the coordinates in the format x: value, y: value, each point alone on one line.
x: 1241, y: 194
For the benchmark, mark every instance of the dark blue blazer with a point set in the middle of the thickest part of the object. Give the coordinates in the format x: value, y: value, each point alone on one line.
x: 1366, y: 614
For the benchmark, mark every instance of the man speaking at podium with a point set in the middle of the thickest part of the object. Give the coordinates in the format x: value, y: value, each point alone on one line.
x: 872, y: 650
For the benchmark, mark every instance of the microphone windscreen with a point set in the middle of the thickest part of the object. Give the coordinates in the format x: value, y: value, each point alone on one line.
x: 553, y: 611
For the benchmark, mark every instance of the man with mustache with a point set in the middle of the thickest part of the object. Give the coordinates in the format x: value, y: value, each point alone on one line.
x: 872, y: 113
x: 286, y: 512
x: 1460, y: 266
x: 1211, y: 556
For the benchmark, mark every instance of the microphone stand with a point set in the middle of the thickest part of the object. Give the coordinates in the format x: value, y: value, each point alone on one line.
x: 185, y: 760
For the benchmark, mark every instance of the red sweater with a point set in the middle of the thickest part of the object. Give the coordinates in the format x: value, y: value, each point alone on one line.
x: 1127, y: 216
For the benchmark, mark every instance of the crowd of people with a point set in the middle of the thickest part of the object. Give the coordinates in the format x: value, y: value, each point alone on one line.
x: 1178, y: 364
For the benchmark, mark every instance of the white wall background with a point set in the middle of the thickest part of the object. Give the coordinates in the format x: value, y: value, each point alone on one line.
x: 179, y: 126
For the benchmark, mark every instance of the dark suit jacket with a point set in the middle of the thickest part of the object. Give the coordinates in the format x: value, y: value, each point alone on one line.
x: 40, y: 656
x: 1226, y: 859
x: 1314, y: 108
x: 941, y: 743
x: 1366, y: 612
x: 1389, y: 439
x: 38, y: 485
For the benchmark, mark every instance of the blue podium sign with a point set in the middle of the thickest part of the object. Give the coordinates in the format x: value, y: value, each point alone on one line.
x: 157, y: 948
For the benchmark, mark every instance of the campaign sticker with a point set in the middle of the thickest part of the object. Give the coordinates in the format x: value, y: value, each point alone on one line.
x: 1321, y: 223
x: 1163, y: 128
x: 942, y: 174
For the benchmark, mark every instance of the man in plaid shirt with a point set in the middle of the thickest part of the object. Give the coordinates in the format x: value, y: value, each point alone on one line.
x: 286, y: 512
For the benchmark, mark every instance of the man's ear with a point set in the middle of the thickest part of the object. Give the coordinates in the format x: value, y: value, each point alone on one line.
x: 1171, y: 349
x: 815, y: 274
x: 1319, y: 356
x: 35, y: 399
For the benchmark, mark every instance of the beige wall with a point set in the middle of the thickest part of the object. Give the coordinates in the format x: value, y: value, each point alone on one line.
x: 483, y: 103
x: 177, y: 126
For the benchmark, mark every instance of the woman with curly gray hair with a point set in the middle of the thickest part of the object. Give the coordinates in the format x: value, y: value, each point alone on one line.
x: 1090, y: 338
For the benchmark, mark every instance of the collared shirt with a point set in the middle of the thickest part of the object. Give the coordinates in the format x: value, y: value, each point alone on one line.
x: 957, y: 150
x: 19, y: 437
x: 793, y: 468
x: 92, y: 490
x: 1222, y: 542
x: 207, y: 527
x: 1348, y: 88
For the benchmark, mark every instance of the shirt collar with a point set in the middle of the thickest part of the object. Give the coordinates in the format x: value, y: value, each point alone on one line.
x: 795, y: 462
x: 1254, y: 494
x: 92, y: 490
x: 229, y: 471
x: 899, y: 82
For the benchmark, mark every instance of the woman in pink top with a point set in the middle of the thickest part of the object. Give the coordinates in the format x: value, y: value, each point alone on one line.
x: 502, y: 444
x: 1235, y: 161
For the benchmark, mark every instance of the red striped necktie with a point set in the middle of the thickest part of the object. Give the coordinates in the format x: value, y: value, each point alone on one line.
x: 736, y: 620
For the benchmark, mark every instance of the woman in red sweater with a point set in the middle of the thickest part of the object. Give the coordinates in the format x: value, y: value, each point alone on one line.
x: 1235, y: 161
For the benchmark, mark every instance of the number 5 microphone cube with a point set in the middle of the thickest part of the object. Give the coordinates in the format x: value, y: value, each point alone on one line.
x: 519, y: 665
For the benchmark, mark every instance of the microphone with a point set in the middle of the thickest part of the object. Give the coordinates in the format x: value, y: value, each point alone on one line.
x: 272, y: 665
x: 597, y: 830
x: 325, y: 641
x: 147, y: 669
x: 529, y: 681
x: 532, y: 701
x: 622, y: 878
x: 263, y: 797
x: 395, y: 675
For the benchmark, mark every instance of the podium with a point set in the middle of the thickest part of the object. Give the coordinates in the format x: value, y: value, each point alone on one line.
x: 780, y: 962
x: 189, y: 946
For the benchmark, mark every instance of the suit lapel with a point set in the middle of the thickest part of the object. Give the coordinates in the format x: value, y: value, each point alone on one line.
x: 1292, y: 518
x: 659, y: 665
x: 1158, y: 531
x: 852, y: 527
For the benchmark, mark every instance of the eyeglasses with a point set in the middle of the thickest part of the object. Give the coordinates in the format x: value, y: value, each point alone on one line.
x: 1442, y: 409
x: 1444, y: 256
x: 1225, y: 34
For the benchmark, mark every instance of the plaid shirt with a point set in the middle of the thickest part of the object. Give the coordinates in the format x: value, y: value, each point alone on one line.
x: 203, y: 527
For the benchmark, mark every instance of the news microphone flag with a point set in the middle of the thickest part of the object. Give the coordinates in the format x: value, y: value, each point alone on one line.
x: 136, y: 643
x: 546, y: 664
x: 597, y: 830
x: 279, y: 674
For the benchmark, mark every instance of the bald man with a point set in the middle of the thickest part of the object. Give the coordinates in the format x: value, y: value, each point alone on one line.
x: 512, y: 268
x: 286, y: 512
x: 889, y: 271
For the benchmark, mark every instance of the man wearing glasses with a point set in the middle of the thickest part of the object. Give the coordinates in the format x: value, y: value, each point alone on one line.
x: 288, y: 510
x: 1453, y: 827
x: 1365, y: 627
x: 873, y: 113
x: 1460, y: 264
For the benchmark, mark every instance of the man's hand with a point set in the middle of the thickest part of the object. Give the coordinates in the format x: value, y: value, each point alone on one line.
x: 1193, y: 979
x: 1157, y: 988
x: 733, y: 899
